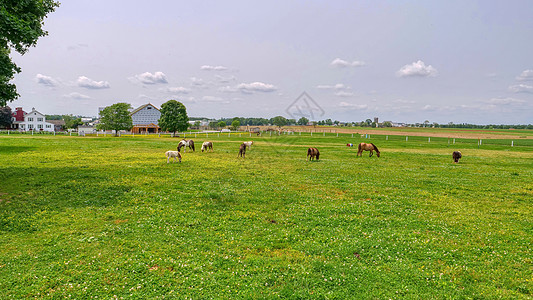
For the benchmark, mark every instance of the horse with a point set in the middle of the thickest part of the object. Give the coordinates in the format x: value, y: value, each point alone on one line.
x: 313, y: 153
x: 249, y: 144
x: 367, y: 147
x: 175, y: 154
x: 242, y: 150
x: 456, y: 155
x: 207, y: 145
x: 186, y: 143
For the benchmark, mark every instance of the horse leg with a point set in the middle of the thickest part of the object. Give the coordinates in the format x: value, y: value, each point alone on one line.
x: 371, y: 153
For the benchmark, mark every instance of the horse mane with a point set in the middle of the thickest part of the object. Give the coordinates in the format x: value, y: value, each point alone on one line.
x: 375, y: 148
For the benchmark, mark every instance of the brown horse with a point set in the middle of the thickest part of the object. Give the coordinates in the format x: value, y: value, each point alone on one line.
x: 367, y: 147
x: 456, y: 155
x: 313, y: 153
x: 242, y: 150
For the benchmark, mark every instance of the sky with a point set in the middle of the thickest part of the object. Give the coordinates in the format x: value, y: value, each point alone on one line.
x: 401, y: 61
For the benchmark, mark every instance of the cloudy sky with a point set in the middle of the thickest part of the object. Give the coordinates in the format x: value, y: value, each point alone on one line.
x: 404, y: 61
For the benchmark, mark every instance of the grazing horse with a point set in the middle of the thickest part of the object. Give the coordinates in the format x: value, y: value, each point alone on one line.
x: 249, y: 144
x: 207, y: 145
x: 186, y: 143
x: 456, y: 155
x: 242, y: 150
x: 172, y: 154
x: 313, y: 153
x: 367, y: 147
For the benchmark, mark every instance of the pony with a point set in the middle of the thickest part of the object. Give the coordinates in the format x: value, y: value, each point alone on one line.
x: 249, y: 144
x: 313, y: 153
x: 206, y: 146
x: 456, y: 155
x: 186, y: 143
x: 368, y: 147
x: 242, y: 150
x: 173, y: 154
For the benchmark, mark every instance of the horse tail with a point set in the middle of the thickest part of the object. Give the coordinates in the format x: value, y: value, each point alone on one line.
x: 359, y: 146
x: 375, y: 148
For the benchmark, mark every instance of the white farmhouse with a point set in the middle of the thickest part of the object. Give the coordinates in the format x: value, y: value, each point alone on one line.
x: 145, y: 119
x: 36, y: 121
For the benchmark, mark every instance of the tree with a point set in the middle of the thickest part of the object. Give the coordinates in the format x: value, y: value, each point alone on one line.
x: 173, y: 117
x: 235, y: 124
x: 6, y: 117
x: 21, y: 25
x: 116, y: 117
x: 303, y: 121
x: 212, y: 125
x: 71, y: 121
x: 279, y: 121
x: 221, y: 124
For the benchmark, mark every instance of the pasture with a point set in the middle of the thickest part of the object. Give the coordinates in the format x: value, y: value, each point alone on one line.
x: 105, y: 217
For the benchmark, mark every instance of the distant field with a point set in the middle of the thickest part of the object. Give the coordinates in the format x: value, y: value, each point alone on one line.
x: 104, y: 217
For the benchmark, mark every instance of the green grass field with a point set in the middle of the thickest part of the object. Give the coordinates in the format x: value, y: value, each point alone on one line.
x: 105, y: 217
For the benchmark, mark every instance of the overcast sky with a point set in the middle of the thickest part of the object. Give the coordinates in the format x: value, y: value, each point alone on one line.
x: 403, y: 61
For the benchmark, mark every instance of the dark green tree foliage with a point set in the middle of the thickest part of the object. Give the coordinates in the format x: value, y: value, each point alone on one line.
x: 6, y: 116
x: 279, y: 121
x: 71, y: 121
x: 21, y: 23
x: 235, y: 125
x: 173, y: 117
x: 221, y: 124
x: 116, y: 117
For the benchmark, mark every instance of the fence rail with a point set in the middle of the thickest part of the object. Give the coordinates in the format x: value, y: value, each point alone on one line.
x: 354, y: 137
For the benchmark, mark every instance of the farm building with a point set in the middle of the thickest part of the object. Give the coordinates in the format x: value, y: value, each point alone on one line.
x: 145, y: 119
x: 34, y: 120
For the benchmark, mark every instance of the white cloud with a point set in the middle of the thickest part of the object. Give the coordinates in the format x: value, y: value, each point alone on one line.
x: 504, y: 101
x: 340, y: 63
x: 353, y: 106
x: 213, y: 68
x: 91, y: 84
x: 179, y: 90
x: 199, y: 83
x: 338, y: 86
x: 526, y: 75
x: 149, y: 78
x: 344, y: 94
x: 249, y: 88
x: 417, y: 69
x: 223, y: 79
x: 46, y: 80
x: 77, y: 96
x: 521, y: 88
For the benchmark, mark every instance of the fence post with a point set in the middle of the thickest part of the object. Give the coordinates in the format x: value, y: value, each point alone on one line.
x: 429, y: 139
x: 387, y: 138
x: 406, y: 138
x: 454, y: 141
x: 311, y: 133
x: 512, y: 143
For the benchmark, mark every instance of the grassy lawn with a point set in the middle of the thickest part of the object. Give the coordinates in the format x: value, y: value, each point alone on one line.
x: 103, y: 217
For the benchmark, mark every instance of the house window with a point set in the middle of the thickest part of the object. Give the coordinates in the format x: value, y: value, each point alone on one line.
x: 39, y: 119
x: 21, y: 126
x: 30, y: 119
x: 40, y: 126
x: 48, y: 126
x: 30, y: 126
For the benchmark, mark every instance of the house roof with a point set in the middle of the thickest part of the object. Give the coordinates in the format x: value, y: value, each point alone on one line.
x: 56, y: 122
x: 142, y: 107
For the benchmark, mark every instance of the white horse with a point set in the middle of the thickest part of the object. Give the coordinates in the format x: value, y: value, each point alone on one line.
x: 186, y: 143
x: 173, y: 154
x: 248, y: 144
x: 206, y: 146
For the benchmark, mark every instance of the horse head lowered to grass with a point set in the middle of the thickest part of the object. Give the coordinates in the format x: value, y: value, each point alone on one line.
x: 367, y: 147
x: 313, y: 153
x: 186, y: 143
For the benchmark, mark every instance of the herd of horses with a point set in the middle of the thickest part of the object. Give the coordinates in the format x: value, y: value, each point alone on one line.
x: 312, y: 153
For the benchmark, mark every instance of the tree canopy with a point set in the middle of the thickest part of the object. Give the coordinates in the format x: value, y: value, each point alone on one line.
x: 72, y: 121
x: 6, y: 116
x: 116, y: 117
x: 235, y: 125
x: 173, y: 117
x: 21, y: 25
x: 279, y: 121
